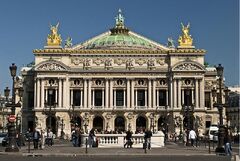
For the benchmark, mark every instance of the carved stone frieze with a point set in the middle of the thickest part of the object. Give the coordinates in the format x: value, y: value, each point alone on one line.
x: 120, y: 61
x: 130, y: 63
x: 161, y: 61
x: 76, y: 61
x: 87, y: 63
x: 140, y: 61
x: 109, y: 63
x: 151, y: 63
x: 51, y: 66
x: 187, y: 66
x: 98, y: 61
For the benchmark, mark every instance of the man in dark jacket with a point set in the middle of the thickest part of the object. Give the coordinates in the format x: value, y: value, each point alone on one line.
x: 36, y: 137
x: 129, y: 139
x: 147, y: 139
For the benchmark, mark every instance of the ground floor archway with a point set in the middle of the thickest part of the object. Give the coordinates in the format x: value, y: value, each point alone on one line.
x: 51, y: 124
x: 119, y: 124
x: 98, y: 123
x: 141, y: 124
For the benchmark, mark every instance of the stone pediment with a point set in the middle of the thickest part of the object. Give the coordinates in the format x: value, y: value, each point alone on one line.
x: 51, y: 65
x: 188, y: 66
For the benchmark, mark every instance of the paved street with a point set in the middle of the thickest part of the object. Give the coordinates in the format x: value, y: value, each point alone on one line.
x: 120, y: 158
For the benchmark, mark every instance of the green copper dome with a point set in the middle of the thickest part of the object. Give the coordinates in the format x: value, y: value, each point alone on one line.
x: 120, y: 38
x: 119, y: 41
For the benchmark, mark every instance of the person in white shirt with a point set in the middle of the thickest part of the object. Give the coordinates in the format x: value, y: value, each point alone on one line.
x: 192, y: 136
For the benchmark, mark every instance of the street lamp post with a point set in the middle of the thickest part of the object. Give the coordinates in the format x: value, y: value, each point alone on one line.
x: 51, y: 105
x: 219, y: 105
x: 12, y: 146
x: 72, y: 115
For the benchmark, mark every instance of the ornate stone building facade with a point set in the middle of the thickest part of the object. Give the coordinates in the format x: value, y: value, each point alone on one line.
x: 119, y: 80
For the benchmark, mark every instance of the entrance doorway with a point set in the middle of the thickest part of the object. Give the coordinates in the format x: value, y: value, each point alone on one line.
x: 51, y: 124
x: 119, y: 124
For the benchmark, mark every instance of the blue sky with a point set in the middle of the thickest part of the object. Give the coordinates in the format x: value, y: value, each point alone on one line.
x: 24, y: 26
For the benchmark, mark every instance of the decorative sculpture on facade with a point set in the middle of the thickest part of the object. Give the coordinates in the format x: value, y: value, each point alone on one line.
x: 54, y: 39
x: 130, y: 63
x: 152, y: 63
x: 119, y: 19
x: 109, y: 63
x: 170, y: 43
x: 68, y: 42
x: 185, y: 40
x: 87, y: 63
x: 51, y: 67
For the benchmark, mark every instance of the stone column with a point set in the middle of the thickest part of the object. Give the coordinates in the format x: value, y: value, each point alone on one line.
x: 171, y: 92
x: 149, y: 93
x: 89, y: 93
x: 111, y: 93
x: 114, y: 100
x: 202, y: 93
x: 196, y: 93
x: 38, y: 92
x: 60, y: 93
x: 56, y: 96
x: 146, y: 101
x: 167, y: 97
x: 85, y: 93
x: 71, y: 97
x: 183, y: 96
x: 128, y: 93
x: 93, y: 97
x: 154, y: 94
x: 132, y: 93
x: 102, y: 98
x: 193, y: 100
x: 67, y: 94
x: 81, y: 98
x: 174, y: 93
x: 35, y: 92
x: 64, y: 93
x: 136, y: 98
x: 106, y: 93
x: 124, y: 97
x: 179, y: 93
x: 157, y: 97
x: 42, y: 93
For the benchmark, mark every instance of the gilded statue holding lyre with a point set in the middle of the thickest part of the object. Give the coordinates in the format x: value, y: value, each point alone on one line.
x: 185, y: 40
x: 54, y: 39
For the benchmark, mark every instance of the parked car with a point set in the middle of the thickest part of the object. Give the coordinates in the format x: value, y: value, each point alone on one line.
x: 2, y: 136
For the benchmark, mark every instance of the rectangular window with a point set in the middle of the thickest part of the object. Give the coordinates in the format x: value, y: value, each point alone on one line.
x: 119, y: 97
x: 51, y: 97
x: 187, y: 97
x: 77, y: 97
x: 141, y: 98
x: 207, y: 100
x: 162, y: 97
x: 208, y: 123
x: 98, y: 97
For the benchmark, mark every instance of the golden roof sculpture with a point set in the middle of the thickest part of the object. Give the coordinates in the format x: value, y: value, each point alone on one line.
x: 185, y: 40
x: 54, y: 39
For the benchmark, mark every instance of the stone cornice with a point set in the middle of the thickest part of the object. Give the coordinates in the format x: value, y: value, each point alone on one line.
x: 86, y: 51
x: 202, y: 51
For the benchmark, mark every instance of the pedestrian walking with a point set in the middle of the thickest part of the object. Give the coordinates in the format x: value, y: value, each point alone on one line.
x: 49, y: 138
x: 92, y: 138
x: 128, y: 139
x: 42, y: 141
x: 192, y: 136
x: 36, y: 137
x: 147, y: 139
x: 228, y: 143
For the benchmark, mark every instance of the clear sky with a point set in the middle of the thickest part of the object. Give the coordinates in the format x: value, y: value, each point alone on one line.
x: 24, y: 25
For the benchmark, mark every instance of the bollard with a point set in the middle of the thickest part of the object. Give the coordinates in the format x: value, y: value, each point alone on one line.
x: 86, y: 151
x: 209, y: 150
x: 28, y: 145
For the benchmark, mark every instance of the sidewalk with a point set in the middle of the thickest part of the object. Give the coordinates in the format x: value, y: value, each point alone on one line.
x: 65, y: 148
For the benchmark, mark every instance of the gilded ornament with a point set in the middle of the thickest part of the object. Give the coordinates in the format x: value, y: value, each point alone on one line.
x: 54, y: 39
x: 185, y: 40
